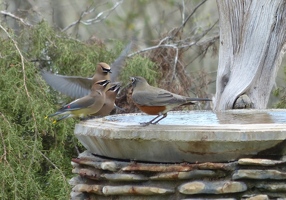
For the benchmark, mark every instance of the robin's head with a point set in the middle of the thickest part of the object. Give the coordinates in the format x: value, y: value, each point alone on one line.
x: 138, y: 81
x: 103, y: 68
x: 102, y: 85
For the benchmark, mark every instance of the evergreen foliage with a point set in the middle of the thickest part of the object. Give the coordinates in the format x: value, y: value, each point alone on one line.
x: 35, y: 154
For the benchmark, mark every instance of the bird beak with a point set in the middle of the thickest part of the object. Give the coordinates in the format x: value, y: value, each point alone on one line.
x: 106, y: 83
x: 115, y: 87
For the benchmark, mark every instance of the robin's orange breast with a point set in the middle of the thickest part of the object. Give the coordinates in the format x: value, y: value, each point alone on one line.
x: 151, y: 110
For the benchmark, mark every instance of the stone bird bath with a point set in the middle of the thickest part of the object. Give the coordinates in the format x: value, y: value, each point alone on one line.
x: 187, y: 136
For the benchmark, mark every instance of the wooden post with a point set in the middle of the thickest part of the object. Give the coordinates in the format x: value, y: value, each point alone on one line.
x: 252, y: 39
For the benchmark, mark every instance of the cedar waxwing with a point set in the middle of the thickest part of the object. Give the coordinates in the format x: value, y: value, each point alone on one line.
x: 109, y: 103
x: 157, y: 101
x: 86, y: 105
x: 76, y: 86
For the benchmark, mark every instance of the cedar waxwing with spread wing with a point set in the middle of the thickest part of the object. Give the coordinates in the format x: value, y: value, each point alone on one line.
x: 77, y: 86
x: 109, y: 103
x: 157, y: 101
x: 86, y: 105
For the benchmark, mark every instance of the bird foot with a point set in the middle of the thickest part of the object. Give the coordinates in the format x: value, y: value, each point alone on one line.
x: 147, y: 123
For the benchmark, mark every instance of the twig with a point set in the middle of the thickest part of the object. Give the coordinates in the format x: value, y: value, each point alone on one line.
x: 6, y: 13
x: 26, y: 89
x: 183, y: 11
x: 86, y: 12
x: 176, y: 46
x: 190, y: 15
x: 64, y: 177
x: 22, y: 59
x: 175, y: 63
x: 2, y: 138
x: 100, y: 16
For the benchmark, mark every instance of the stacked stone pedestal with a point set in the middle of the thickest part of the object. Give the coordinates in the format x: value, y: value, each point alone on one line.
x: 102, y: 178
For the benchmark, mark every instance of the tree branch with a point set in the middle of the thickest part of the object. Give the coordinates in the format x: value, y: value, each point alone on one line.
x: 100, y: 16
x: 2, y: 138
x: 6, y: 13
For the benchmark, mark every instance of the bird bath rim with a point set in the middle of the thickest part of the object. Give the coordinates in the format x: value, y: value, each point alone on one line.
x: 193, y: 142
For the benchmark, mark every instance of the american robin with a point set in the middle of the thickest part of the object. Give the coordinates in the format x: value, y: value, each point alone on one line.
x: 76, y: 86
x: 157, y: 101
x: 109, y: 103
x: 86, y: 105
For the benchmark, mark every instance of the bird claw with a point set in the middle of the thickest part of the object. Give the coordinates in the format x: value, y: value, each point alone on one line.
x: 145, y: 124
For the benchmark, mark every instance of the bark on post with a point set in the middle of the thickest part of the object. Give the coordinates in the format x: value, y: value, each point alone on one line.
x: 252, y: 39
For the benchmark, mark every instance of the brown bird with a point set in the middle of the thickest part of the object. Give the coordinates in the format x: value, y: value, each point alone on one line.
x: 77, y: 86
x: 157, y: 101
x: 109, y: 104
x: 86, y: 105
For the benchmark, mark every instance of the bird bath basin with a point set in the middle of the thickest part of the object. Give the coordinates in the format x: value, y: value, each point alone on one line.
x: 187, y: 136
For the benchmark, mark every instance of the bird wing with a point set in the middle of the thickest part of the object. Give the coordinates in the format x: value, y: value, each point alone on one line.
x: 117, y: 65
x: 73, y: 86
x: 78, y: 104
x: 157, y: 97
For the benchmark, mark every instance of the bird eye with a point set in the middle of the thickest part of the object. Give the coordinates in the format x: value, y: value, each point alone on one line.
x: 132, y: 79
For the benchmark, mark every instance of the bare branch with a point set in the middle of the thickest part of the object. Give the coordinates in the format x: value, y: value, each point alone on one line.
x: 6, y: 13
x: 183, y: 11
x: 179, y: 44
x: 175, y: 62
x: 26, y: 89
x: 100, y: 16
x: 2, y: 138
x: 64, y: 177
x: 195, y: 9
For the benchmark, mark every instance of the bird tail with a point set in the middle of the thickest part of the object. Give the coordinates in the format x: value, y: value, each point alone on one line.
x: 191, y: 101
x: 54, y: 114
x: 198, y: 99
x: 61, y: 118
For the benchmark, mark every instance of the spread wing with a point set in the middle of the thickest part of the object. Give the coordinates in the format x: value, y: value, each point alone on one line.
x: 117, y: 65
x: 158, y: 97
x: 73, y: 86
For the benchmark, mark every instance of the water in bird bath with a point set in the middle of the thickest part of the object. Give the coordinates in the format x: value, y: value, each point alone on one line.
x: 206, y: 118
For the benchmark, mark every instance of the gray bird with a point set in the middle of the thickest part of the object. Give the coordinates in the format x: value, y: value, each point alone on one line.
x: 157, y: 101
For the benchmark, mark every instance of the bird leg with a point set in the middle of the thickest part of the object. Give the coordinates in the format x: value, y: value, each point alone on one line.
x: 164, y: 115
x: 152, y: 121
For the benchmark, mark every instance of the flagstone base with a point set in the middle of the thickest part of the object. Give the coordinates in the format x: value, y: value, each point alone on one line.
x: 102, y: 178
